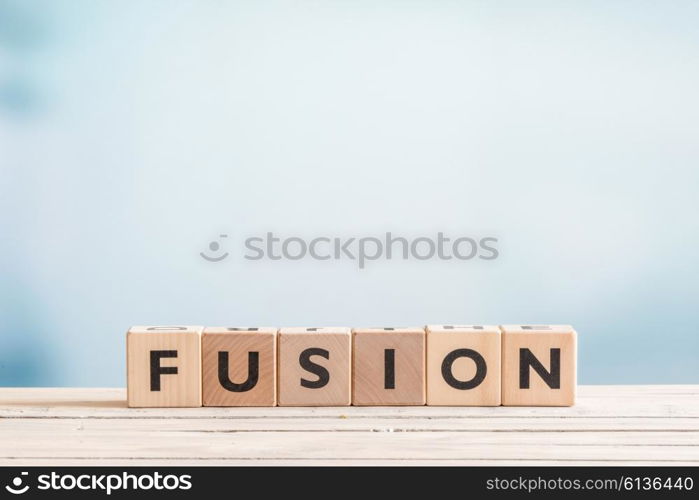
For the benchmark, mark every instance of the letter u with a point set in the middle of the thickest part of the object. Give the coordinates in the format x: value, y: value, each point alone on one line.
x: 253, y: 372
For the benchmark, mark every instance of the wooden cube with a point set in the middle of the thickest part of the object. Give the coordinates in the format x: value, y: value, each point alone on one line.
x: 163, y: 366
x: 239, y: 366
x: 538, y: 365
x: 314, y: 366
x: 389, y: 366
x: 463, y: 365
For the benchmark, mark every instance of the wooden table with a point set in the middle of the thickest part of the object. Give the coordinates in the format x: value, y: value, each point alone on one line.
x: 609, y: 425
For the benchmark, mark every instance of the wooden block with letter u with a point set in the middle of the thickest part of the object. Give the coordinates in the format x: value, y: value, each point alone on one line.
x: 314, y: 366
x: 538, y: 365
x: 163, y: 366
x: 389, y: 366
x: 239, y: 366
x: 463, y: 365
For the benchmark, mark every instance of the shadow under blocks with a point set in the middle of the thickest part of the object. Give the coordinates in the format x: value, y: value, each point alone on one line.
x: 437, y: 365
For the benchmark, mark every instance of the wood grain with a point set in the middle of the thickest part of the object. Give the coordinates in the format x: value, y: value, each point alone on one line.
x: 484, y: 341
x: 238, y: 343
x: 336, y: 343
x: 609, y: 425
x: 369, y: 368
x: 175, y: 389
x: 541, y: 341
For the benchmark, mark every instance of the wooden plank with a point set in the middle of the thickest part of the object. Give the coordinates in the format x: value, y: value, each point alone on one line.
x: 334, y: 424
x: 8, y: 394
x: 609, y: 425
x: 193, y: 462
x: 593, y: 402
x: 335, y: 447
x: 94, y: 433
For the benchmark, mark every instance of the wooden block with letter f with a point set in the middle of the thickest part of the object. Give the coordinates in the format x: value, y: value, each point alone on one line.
x: 389, y: 366
x: 538, y: 365
x: 163, y: 366
x: 239, y: 366
x: 314, y: 366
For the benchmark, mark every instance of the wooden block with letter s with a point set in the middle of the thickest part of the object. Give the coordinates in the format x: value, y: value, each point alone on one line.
x: 463, y: 365
x: 314, y: 366
x: 389, y: 366
x: 163, y: 366
x: 239, y: 366
x: 538, y: 365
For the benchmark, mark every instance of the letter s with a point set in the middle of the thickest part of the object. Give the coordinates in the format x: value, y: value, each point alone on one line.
x: 249, y: 246
x: 493, y: 251
x: 44, y: 483
x: 316, y: 369
x: 185, y: 482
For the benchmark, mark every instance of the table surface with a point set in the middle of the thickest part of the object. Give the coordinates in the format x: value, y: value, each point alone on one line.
x: 609, y: 425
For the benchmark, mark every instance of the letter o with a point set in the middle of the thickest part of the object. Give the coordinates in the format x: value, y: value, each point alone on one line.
x: 302, y: 248
x: 481, y: 369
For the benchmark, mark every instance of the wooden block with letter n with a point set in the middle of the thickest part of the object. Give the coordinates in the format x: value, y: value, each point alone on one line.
x: 314, y: 366
x: 163, y: 366
x: 463, y: 365
x: 538, y: 365
x: 389, y: 366
x: 239, y: 366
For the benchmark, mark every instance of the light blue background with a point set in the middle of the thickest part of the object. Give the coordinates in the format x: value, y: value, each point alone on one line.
x: 134, y: 132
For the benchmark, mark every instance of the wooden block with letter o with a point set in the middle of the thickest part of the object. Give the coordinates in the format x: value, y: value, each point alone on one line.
x: 538, y: 365
x: 314, y: 366
x: 239, y: 366
x: 163, y: 366
x: 463, y: 365
x: 389, y: 366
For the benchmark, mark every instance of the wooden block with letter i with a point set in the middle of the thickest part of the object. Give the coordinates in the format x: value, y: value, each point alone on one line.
x: 538, y: 365
x: 314, y: 366
x: 239, y: 366
x: 463, y: 365
x: 163, y: 366
x: 388, y: 367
